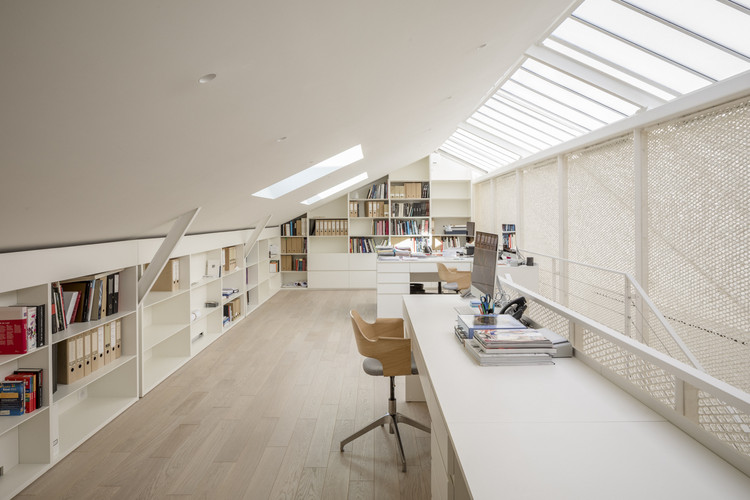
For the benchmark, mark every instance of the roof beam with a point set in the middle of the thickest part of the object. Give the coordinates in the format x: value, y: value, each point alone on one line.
x: 595, y: 77
x: 442, y: 152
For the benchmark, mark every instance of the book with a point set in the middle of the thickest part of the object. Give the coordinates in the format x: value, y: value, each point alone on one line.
x: 29, y: 381
x: 12, y: 397
x: 512, y: 339
x: 39, y: 372
x: 70, y: 304
x: 14, y: 324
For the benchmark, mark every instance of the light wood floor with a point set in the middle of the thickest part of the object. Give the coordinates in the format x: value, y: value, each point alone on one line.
x: 259, y: 414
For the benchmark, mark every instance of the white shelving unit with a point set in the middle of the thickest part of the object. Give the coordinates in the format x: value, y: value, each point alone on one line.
x: 157, y: 336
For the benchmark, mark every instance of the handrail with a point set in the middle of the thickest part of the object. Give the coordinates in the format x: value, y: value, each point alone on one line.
x: 655, y: 310
x: 699, y: 379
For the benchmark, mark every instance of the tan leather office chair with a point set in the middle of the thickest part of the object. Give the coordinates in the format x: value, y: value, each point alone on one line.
x: 387, y: 354
x: 454, y: 279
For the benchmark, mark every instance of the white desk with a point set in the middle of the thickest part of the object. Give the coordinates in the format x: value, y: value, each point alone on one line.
x: 394, y: 276
x: 548, y: 432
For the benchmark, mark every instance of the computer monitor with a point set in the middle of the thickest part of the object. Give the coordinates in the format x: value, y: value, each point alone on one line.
x: 469, y: 229
x: 485, y: 263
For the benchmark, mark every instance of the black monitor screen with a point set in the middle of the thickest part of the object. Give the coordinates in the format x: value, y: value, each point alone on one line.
x: 485, y: 262
x: 470, y: 229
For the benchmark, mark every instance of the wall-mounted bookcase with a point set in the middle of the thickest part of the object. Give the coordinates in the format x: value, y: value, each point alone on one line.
x: 148, y: 341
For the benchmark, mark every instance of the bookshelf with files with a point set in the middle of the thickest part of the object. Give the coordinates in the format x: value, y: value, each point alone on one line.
x: 266, y: 272
x: 509, y: 237
x: 328, y: 245
x: 451, y: 209
x: 410, y: 207
x: 206, y: 276
x: 32, y: 442
x: 294, y: 253
x: 369, y: 226
x: 170, y: 326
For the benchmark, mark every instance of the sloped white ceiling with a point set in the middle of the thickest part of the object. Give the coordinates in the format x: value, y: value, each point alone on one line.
x: 106, y: 134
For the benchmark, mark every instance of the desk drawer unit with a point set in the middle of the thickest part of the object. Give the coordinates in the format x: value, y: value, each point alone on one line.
x: 393, y: 267
x: 393, y: 277
x: 393, y: 288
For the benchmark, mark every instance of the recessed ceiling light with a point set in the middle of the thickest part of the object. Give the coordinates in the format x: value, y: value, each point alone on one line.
x: 311, y: 174
x: 335, y: 189
x: 207, y: 78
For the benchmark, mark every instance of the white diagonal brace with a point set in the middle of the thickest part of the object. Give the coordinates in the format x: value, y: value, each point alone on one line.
x: 253, y: 238
x: 175, y: 234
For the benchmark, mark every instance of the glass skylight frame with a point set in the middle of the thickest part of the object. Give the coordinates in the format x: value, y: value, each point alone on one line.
x: 335, y: 189
x: 311, y: 174
x: 568, y: 85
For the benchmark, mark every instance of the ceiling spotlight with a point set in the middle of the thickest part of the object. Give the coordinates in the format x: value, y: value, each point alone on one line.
x: 207, y: 78
x: 281, y: 139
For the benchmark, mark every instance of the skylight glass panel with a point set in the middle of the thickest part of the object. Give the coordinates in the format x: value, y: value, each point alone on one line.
x: 583, y: 88
x: 461, y: 151
x: 457, y: 150
x: 335, y: 189
x: 553, y: 119
x: 311, y: 174
x: 714, y: 20
x: 492, y: 150
x: 608, y: 69
x: 522, y: 126
x: 503, y: 132
x: 629, y: 57
x: 496, y: 121
x: 544, y: 102
x: 529, y: 117
x: 661, y: 39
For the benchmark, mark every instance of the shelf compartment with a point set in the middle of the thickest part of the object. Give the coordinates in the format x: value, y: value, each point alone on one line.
x: 156, y: 334
x: 25, y: 453
x: 95, y: 405
x: 154, y: 298
x: 66, y: 390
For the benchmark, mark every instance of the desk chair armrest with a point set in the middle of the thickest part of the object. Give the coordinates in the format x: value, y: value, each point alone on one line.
x: 394, y: 354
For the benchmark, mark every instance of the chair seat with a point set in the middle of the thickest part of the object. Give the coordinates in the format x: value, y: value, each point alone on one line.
x: 373, y: 367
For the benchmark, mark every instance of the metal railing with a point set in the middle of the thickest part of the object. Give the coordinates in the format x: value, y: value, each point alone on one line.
x: 616, y: 328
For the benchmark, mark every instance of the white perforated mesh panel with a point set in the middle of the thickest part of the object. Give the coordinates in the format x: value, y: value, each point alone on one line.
x: 699, y: 234
x: 601, y: 227
x: 724, y: 421
x: 483, y: 206
x: 505, y: 201
x: 540, y: 209
x: 656, y: 382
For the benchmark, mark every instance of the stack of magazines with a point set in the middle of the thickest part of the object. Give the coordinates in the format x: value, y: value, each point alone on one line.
x: 510, y: 347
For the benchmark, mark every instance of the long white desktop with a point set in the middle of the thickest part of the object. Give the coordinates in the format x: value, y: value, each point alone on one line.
x: 548, y: 432
x: 395, y: 274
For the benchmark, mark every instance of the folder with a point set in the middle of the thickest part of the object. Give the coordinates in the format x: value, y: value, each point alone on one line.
x: 108, y: 343
x: 96, y: 361
x: 100, y: 344
x: 87, y: 353
x: 169, y: 279
x: 66, y: 362
x: 79, y: 355
x: 118, y: 339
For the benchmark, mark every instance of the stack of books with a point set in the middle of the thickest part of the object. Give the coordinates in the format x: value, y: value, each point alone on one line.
x: 500, y: 339
x: 497, y: 347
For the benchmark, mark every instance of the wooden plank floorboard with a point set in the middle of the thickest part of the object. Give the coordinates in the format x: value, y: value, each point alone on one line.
x: 258, y: 414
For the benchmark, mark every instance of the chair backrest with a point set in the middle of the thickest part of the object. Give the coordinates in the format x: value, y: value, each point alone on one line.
x: 383, y: 340
x: 452, y: 275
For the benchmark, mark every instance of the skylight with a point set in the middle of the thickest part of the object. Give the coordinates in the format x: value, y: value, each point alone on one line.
x: 311, y: 174
x: 335, y: 189
x: 608, y: 60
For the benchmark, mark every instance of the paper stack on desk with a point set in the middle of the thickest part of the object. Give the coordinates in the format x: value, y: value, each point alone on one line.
x: 510, y: 347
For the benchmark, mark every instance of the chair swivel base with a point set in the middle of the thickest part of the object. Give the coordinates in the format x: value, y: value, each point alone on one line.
x: 393, y: 418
